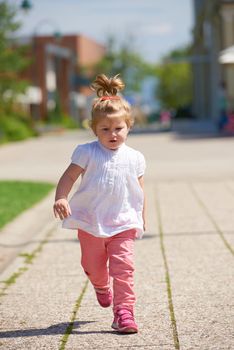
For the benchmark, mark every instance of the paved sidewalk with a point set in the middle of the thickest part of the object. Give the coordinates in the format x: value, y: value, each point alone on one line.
x: 184, y: 264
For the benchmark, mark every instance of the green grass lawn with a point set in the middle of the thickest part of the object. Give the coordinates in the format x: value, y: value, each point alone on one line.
x: 17, y: 196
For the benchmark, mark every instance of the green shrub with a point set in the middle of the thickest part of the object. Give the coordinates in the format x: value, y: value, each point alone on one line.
x: 14, y: 129
x: 63, y: 120
x: 68, y: 122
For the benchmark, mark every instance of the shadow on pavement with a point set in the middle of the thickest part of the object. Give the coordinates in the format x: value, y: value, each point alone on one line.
x: 59, y: 328
x: 185, y: 130
x: 149, y: 236
x: 24, y: 244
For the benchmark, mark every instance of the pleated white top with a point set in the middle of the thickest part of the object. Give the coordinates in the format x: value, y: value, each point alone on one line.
x: 109, y: 199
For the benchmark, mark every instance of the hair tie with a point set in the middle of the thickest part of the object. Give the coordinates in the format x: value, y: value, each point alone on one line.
x: 113, y: 97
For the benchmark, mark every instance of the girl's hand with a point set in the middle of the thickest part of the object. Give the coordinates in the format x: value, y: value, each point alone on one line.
x: 62, y: 209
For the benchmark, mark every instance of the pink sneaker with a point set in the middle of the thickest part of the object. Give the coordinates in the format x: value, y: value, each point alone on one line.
x: 105, y: 299
x: 124, y: 322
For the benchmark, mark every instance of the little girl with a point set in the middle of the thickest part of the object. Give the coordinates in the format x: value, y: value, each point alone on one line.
x: 108, y: 207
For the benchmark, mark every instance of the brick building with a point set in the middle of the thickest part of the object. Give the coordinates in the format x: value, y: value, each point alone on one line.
x: 60, y: 72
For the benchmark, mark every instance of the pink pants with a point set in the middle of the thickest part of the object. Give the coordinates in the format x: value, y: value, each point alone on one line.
x: 118, y: 250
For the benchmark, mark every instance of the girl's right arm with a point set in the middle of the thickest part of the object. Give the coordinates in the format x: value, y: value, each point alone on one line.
x: 61, y: 205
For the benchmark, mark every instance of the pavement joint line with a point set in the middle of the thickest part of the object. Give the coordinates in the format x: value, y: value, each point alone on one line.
x: 230, y: 189
x: 198, y: 180
x: 191, y: 233
x: 145, y: 346
x: 28, y: 260
x: 167, y: 275
x: 206, y: 210
x: 73, y: 317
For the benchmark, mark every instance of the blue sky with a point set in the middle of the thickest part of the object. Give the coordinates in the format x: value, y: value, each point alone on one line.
x: 155, y: 26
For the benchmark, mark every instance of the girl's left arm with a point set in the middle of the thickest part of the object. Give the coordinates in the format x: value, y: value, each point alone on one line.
x: 141, y: 182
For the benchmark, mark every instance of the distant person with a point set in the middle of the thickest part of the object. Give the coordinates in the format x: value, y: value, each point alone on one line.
x: 165, y: 119
x: 108, y: 207
x: 223, y: 106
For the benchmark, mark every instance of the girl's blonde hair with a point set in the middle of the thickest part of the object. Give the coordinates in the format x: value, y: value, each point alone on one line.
x: 109, y: 104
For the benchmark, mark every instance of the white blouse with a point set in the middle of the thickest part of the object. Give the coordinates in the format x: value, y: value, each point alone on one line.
x: 109, y: 199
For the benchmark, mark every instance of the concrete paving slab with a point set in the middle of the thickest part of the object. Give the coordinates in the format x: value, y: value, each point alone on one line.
x: 45, y: 158
x: 38, y: 308
x: 202, y: 291
x: 173, y: 158
x: 201, y: 272
x: 168, y: 156
x: 218, y: 201
x: 93, y: 329
x: 20, y: 233
x: 36, y: 311
x: 180, y: 210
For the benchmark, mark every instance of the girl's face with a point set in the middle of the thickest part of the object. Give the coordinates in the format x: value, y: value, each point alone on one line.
x: 111, y: 132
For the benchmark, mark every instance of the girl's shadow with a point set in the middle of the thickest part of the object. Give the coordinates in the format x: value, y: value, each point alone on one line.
x: 59, y: 328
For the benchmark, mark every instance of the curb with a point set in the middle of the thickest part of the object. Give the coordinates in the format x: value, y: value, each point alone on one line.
x: 24, y: 232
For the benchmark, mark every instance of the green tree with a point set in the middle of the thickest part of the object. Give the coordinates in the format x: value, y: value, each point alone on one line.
x: 12, y: 63
x: 124, y: 61
x: 12, y: 57
x: 175, y: 80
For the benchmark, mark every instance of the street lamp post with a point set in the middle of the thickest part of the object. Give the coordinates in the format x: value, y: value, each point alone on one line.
x: 26, y: 5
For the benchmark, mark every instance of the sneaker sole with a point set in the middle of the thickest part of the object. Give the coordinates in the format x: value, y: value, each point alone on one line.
x: 114, y: 326
x: 104, y: 305
x: 128, y: 330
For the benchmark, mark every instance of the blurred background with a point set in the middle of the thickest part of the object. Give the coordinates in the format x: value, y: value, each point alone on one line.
x: 176, y: 58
